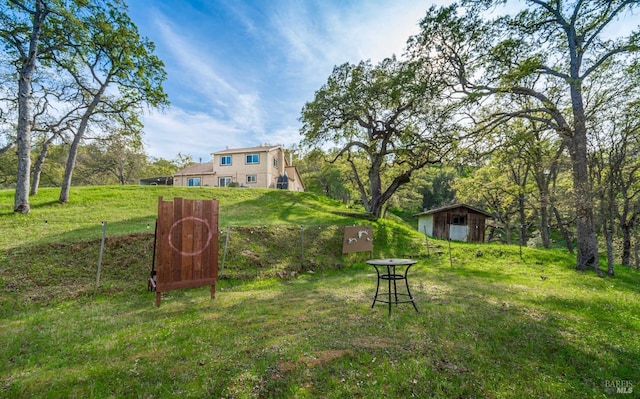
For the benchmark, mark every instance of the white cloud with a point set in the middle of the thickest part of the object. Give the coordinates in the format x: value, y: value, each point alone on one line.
x: 240, y: 71
x: 198, y: 70
x: 244, y: 83
x: 195, y: 134
x: 241, y: 12
x: 329, y: 35
x: 287, y: 136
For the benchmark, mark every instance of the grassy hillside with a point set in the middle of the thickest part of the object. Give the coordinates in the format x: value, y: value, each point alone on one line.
x: 130, y: 209
x: 266, y: 233
x: 293, y: 317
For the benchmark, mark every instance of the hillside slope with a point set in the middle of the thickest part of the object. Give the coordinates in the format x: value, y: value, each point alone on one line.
x: 133, y: 209
x: 52, y: 253
x: 292, y: 317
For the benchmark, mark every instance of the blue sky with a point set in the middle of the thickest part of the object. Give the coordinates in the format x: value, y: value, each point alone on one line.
x: 240, y: 71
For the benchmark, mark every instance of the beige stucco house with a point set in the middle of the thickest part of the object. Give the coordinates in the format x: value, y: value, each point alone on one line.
x: 263, y: 167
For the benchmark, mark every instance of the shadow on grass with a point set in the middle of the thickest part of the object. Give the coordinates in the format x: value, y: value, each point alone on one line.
x: 33, y: 205
x: 318, y: 336
x: 572, y: 341
x: 481, y: 331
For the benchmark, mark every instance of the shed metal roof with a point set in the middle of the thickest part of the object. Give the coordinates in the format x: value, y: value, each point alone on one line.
x: 448, y: 207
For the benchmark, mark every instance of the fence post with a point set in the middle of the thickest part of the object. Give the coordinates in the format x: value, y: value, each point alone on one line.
x: 226, y: 248
x: 104, y: 232
x: 426, y: 240
x: 302, y: 247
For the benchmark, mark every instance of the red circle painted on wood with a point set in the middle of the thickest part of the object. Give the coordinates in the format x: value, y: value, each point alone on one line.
x: 195, y: 219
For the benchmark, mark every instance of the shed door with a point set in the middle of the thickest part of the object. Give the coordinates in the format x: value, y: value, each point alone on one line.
x: 458, y: 232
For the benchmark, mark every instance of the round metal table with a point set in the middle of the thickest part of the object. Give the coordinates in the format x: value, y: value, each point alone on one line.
x: 392, y: 270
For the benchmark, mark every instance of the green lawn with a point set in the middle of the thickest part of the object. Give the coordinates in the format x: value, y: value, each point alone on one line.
x: 491, y: 326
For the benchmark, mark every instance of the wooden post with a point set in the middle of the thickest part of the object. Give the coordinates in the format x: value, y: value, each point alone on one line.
x: 104, y: 233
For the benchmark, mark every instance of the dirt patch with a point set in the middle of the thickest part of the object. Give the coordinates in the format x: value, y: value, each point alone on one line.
x: 373, y: 342
x: 317, y: 359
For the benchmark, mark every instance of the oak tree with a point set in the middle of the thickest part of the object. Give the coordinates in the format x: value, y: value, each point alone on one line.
x: 22, y: 24
x: 547, y: 52
x: 115, y: 75
x: 386, y: 121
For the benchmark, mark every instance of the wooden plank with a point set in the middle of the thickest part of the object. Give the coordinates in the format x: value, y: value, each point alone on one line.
x: 176, y: 241
x: 177, y: 285
x: 213, y: 247
x: 205, y: 256
x: 165, y: 218
x: 199, y: 238
x: 187, y: 249
x: 159, y: 261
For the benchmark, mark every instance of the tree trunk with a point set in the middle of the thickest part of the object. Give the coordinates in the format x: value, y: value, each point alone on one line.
x: 563, y: 229
x: 23, y: 134
x: 375, y: 186
x: 545, y: 228
x: 37, y: 170
x: 636, y: 250
x: 507, y: 231
x: 626, y: 244
x: 68, y: 169
x: 21, y: 199
x: 608, y: 236
x: 523, y: 220
x: 73, y: 150
x: 608, y: 211
x: 627, y: 220
x: 37, y: 167
x: 587, y: 241
x: 121, y: 174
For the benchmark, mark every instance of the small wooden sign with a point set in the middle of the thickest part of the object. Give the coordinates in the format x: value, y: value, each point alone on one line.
x: 186, y: 245
x: 357, y: 239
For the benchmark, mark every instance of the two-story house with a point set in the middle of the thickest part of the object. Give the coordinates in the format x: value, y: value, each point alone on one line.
x: 264, y: 167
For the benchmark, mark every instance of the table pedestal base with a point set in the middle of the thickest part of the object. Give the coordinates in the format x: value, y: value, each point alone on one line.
x: 392, y: 296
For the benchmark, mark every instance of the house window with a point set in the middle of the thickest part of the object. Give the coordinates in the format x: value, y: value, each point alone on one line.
x: 225, y: 160
x: 275, y: 162
x: 224, y: 181
x: 252, y: 178
x: 193, y: 181
x: 253, y: 159
x: 459, y: 220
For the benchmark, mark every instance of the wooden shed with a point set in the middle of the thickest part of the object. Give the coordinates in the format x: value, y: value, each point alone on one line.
x: 457, y: 222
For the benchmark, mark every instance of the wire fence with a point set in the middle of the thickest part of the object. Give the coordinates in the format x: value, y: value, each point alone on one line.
x: 115, y: 258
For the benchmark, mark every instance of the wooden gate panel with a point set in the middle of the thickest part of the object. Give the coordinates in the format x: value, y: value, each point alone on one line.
x: 186, y: 245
